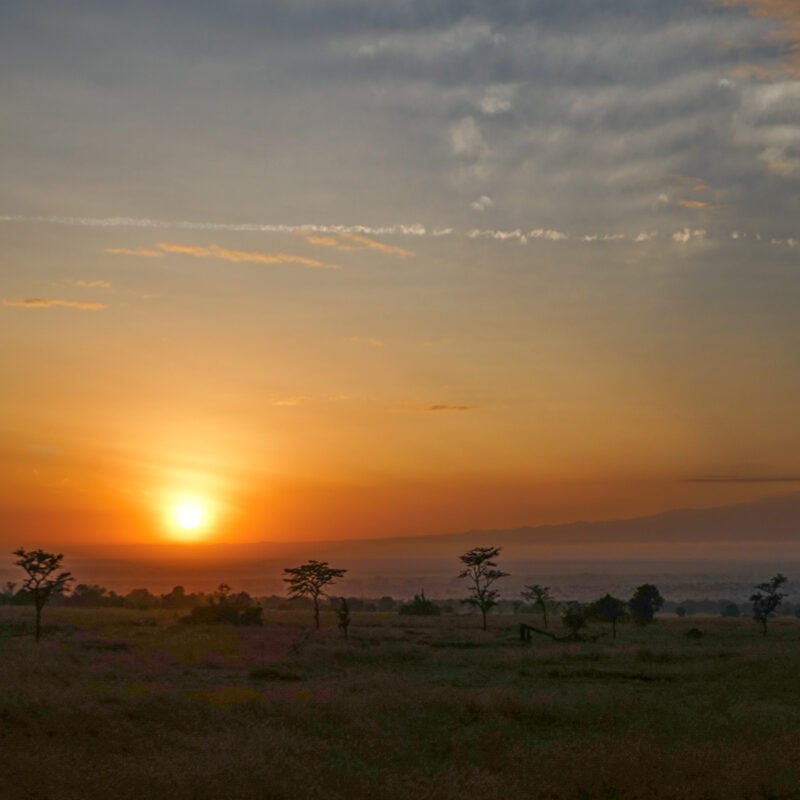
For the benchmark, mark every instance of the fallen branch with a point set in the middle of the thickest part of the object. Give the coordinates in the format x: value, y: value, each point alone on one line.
x: 525, y: 632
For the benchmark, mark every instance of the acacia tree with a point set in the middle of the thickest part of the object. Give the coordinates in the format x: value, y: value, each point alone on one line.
x: 609, y: 609
x: 482, y: 571
x: 645, y: 602
x: 310, y: 580
x: 766, y: 599
x: 540, y: 596
x: 42, y: 581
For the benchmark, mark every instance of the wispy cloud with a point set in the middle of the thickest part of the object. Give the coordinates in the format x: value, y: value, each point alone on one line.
x: 442, y: 407
x: 350, y: 242
x: 370, y: 340
x: 482, y: 203
x: 236, y: 256
x: 696, y: 205
x: 93, y: 284
x: 363, y: 242
x: 414, y: 229
x: 144, y: 252
x: 547, y: 233
x: 788, y: 12
x: 687, y: 235
x: 744, y: 479
x: 53, y: 302
x: 290, y: 402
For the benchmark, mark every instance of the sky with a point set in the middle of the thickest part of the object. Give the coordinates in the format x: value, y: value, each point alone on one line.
x: 305, y: 270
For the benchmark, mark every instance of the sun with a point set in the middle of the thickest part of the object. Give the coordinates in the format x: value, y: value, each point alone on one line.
x: 189, y: 515
x: 189, y: 519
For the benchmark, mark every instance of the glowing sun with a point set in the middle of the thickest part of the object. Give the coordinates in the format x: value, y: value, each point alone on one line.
x: 189, y: 517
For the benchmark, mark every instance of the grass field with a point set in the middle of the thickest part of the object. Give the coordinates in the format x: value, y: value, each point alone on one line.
x: 120, y: 704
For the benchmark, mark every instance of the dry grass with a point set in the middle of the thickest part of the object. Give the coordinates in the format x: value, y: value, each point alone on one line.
x: 121, y: 704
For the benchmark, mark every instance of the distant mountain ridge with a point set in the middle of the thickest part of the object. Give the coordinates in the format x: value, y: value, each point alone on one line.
x: 770, y: 520
x: 763, y: 535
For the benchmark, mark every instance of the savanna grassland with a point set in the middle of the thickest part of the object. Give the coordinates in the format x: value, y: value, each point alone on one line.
x: 123, y: 704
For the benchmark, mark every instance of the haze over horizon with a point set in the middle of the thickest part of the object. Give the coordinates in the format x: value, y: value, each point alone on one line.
x: 326, y: 271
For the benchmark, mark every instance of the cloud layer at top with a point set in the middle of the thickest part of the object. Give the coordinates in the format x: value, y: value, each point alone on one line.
x: 347, y: 111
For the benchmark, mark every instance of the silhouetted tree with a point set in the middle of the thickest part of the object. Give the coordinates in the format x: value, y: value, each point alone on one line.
x: 309, y: 580
x: 7, y: 594
x: 540, y: 597
x: 609, y: 609
x: 43, y: 579
x: 420, y: 606
x: 175, y: 599
x: 730, y: 610
x: 386, y: 603
x: 680, y: 611
x: 574, y: 618
x: 343, y: 616
x: 645, y: 602
x: 766, y: 599
x: 140, y: 599
x: 480, y: 569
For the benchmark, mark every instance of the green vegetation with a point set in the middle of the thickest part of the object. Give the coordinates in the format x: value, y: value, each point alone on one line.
x: 123, y: 703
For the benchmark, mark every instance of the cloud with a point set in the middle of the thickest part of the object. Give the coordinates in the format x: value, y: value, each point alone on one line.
x: 482, y: 203
x: 236, y: 256
x: 645, y: 236
x: 93, y: 284
x: 41, y: 302
x: 782, y: 168
x: 744, y: 479
x: 687, y: 235
x: 126, y: 251
x: 289, y: 402
x: 497, y: 100
x: 368, y: 340
x: 442, y: 407
x: 547, y: 233
x: 788, y: 12
x: 364, y: 243
x: 414, y: 229
x: 500, y: 235
x: 466, y: 138
x: 355, y: 241
x: 696, y: 205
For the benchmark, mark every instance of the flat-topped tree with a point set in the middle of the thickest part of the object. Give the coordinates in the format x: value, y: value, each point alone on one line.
x: 482, y: 572
x: 310, y: 580
x: 43, y: 579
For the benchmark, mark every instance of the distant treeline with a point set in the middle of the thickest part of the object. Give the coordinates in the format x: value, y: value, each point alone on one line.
x: 94, y: 596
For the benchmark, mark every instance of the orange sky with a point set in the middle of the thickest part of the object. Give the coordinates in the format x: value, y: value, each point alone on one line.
x: 475, y: 271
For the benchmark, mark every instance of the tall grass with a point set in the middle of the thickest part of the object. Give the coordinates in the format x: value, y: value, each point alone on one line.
x: 124, y: 704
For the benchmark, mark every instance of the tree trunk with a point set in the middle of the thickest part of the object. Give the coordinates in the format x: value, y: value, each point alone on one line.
x: 483, y: 611
x: 614, y: 629
x: 764, y: 627
x: 316, y: 612
x: 544, y: 615
x: 38, y: 622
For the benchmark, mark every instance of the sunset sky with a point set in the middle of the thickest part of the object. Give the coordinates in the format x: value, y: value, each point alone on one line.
x: 306, y: 270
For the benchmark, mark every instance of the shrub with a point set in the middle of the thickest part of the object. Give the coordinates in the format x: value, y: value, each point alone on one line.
x: 420, y: 606
x: 225, y: 608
